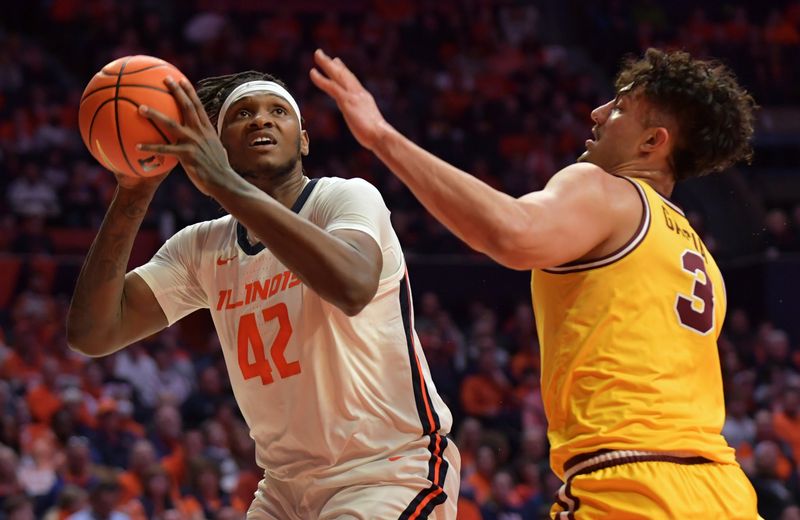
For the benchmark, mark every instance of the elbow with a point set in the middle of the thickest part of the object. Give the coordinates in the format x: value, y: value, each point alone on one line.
x: 84, y: 343
x: 357, y: 297
x: 510, y: 248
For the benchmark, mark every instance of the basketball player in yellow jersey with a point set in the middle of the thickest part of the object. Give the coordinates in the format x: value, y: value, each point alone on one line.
x: 628, y: 301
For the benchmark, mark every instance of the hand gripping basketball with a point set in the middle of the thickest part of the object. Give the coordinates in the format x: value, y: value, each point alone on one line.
x: 198, y: 147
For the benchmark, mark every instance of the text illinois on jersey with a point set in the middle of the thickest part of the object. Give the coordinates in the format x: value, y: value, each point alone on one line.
x: 258, y: 291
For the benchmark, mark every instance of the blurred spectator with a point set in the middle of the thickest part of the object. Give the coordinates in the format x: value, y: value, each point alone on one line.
x: 111, y: 441
x: 479, y: 483
x: 18, y: 507
x: 503, y: 502
x: 778, y: 235
x: 203, y: 403
x: 103, y: 500
x: 485, y: 394
x: 9, y: 482
x: 131, y: 481
x: 136, y: 366
x: 31, y: 237
x: 31, y: 196
x: 773, y: 496
x: 205, y: 495
x: 786, y: 419
x: 156, y: 499
x: 71, y: 500
x: 167, y: 431
x: 78, y: 470
x: 739, y: 428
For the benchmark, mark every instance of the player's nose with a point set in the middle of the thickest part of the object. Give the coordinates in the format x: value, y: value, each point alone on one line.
x: 600, y: 114
x: 261, y: 120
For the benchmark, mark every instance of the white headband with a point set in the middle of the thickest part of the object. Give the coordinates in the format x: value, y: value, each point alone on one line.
x: 251, y: 87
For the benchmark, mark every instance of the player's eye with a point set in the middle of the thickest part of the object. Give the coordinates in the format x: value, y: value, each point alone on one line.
x: 280, y: 111
x: 243, y: 113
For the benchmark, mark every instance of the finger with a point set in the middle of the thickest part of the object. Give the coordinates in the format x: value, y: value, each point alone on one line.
x: 327, y: 65
x: 151, y: 113
x: 190, y: 116
x: 166, y: 149
x: 350, y: 79
x: 325, y: 84
x: 337, y: 70
x: 195, y: 99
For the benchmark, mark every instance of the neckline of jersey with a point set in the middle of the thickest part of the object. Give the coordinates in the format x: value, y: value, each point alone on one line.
x: 241, y: 232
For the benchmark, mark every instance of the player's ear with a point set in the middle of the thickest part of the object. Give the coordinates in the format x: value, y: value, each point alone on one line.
x: 654, y: 139
x: 304, y: 143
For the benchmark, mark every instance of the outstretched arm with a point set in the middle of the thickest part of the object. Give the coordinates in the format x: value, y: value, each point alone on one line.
x: 567, y: 220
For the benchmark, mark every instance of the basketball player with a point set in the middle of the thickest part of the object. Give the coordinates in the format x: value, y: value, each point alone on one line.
x: 628, y: 300
x: 307, y: 287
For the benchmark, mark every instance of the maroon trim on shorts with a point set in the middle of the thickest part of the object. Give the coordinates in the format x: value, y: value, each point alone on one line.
x: 654, y: 457
x: 574, y: 461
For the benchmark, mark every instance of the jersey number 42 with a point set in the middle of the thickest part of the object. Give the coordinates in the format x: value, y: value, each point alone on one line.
x: 249, y: 340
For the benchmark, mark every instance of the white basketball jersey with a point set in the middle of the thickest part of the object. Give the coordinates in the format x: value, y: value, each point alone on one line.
x: 321, y: 392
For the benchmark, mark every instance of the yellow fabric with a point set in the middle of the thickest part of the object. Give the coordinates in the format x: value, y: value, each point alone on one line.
x: 621, y: 367
x: 661, y: 491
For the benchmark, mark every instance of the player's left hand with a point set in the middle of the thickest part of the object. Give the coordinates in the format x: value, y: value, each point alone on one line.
x: 355, y: 102
x: 198, y: 147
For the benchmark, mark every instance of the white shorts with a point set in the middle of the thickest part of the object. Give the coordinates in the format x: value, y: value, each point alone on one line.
x: 418, y: 482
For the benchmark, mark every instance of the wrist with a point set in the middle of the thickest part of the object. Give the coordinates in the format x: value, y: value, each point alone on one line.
x: 384, y: 137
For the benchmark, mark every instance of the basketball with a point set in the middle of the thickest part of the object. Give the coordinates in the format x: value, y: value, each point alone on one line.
x: 110, y: 123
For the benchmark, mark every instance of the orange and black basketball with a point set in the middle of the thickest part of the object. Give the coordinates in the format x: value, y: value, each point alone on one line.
x: 110, y: 123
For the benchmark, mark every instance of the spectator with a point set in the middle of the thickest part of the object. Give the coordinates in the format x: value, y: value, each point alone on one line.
x: 111, y: 441
x: 131, y: 481
x: 31, y: 196
x: 10, y: 485
x: 103, y: 500
x: 773, y: 496
x: 71, y: 500
x: 203, y: 403
x: 739, y: 429
x: 18, y: 507
x: 486, y: 393
x: 503, y: 503
x: 78, y: 470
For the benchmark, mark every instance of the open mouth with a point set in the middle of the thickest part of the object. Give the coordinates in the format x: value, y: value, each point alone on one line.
x: 262, y: 142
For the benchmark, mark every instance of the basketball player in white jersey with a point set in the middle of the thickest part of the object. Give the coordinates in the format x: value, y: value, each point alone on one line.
x: 307, y: 287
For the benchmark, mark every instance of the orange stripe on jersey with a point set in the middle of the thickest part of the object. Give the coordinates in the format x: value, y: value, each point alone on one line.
x: 427, y: 499
x: 428, y: 416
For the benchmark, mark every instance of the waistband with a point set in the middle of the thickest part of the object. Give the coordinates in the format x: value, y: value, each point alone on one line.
x: 602, y: 459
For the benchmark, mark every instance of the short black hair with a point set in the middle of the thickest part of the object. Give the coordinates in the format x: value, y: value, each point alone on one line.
x: 215, y: 90
x: 714, y: 114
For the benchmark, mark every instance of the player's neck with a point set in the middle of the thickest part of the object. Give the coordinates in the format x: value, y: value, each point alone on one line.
x: 288, y: 191
x: 661, y: 181
x: 285, y: 189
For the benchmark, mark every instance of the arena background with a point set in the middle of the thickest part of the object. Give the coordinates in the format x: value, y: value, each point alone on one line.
x: 502, y: 89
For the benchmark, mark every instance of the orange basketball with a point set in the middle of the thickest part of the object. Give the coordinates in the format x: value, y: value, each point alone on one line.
x: 110, y: 123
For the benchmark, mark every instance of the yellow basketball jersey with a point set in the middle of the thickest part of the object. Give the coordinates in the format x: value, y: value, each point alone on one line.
x: 629, y: 344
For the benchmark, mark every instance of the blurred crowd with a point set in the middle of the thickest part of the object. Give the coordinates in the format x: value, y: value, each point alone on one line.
x: 152, y: 431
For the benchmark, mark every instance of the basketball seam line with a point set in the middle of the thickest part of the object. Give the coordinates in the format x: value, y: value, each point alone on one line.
x: 137, y: 85
x: 120, y: 73
x: 116, y: 121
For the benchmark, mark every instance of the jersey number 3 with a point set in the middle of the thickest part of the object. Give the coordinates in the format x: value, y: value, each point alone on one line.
x: 248, y: 338
x: 703, y: 320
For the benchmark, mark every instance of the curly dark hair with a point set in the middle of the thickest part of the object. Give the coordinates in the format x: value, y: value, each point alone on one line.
x: 213, y: 91
x: 713, y: 113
